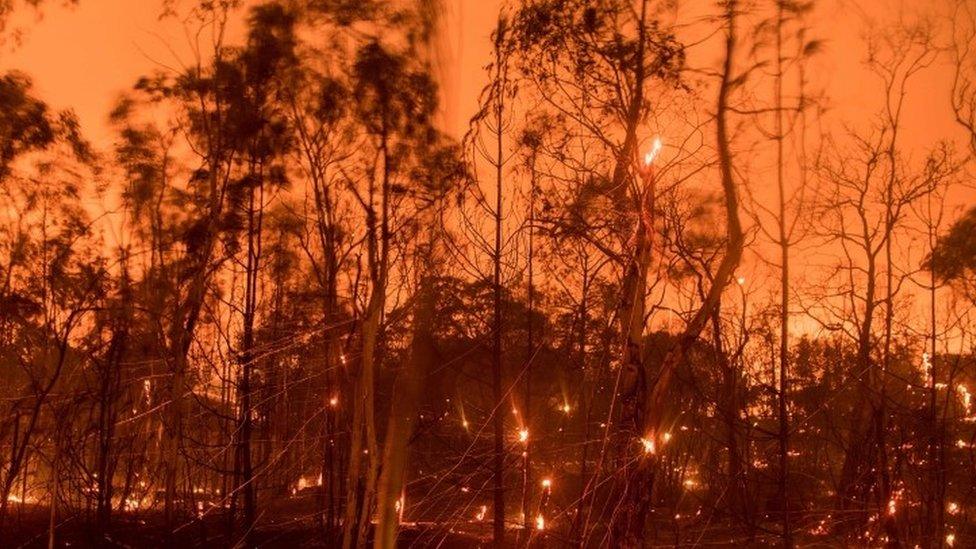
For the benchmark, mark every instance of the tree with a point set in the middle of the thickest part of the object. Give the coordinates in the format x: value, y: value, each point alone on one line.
x: 49, y: 290
x: 487, y: 141
x: 569, y: 52
x: 953, y: 258
x: 868, y: 204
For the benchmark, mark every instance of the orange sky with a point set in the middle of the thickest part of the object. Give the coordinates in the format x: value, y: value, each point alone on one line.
x: 82, y: 56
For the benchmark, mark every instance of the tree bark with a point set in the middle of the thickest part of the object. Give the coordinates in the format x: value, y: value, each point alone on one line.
x: 403, y: 416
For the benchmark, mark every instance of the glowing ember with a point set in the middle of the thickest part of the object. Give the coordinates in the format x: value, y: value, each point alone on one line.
x: 13, y: 498
x: 926, y: 365
x: 967, y: 398
x: 648, y: 445
x: 540, y: 522
x: 523, y: 435
x: 547, y: 483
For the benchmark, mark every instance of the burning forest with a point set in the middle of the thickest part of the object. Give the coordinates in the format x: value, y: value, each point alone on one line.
x: 501, y: 273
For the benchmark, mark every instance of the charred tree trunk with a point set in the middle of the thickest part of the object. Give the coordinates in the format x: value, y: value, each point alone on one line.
x: 784, y: 310
x: 110, y: 381
x: 498, y: 419
x: 852, y: 489
x: 244, y: 473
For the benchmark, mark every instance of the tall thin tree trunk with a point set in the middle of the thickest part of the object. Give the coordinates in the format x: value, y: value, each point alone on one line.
x: 784, y: 311
x: 935, y: 519
x: 245, y: 429
x: 859, y: 450
x: 529, y: 360
x: 55, y: 490
x: 403, y: 415
x: 361, y: 485
x: 498, y: 421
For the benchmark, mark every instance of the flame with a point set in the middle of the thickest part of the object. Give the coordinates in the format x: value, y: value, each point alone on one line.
x: 546, y: 483
x: 926, y: 368
x: 29, y: 499
x: 540, y: 522
x: 655, y: 150
x: 967, y: 398
x: 523, y: 435
x: 648, y: 445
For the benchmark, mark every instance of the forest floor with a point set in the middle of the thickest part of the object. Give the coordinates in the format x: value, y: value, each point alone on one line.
x: 28, y: 527
x: 288, y: 522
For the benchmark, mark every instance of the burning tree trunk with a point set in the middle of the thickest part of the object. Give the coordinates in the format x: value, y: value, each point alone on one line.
x: 629, y: 529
